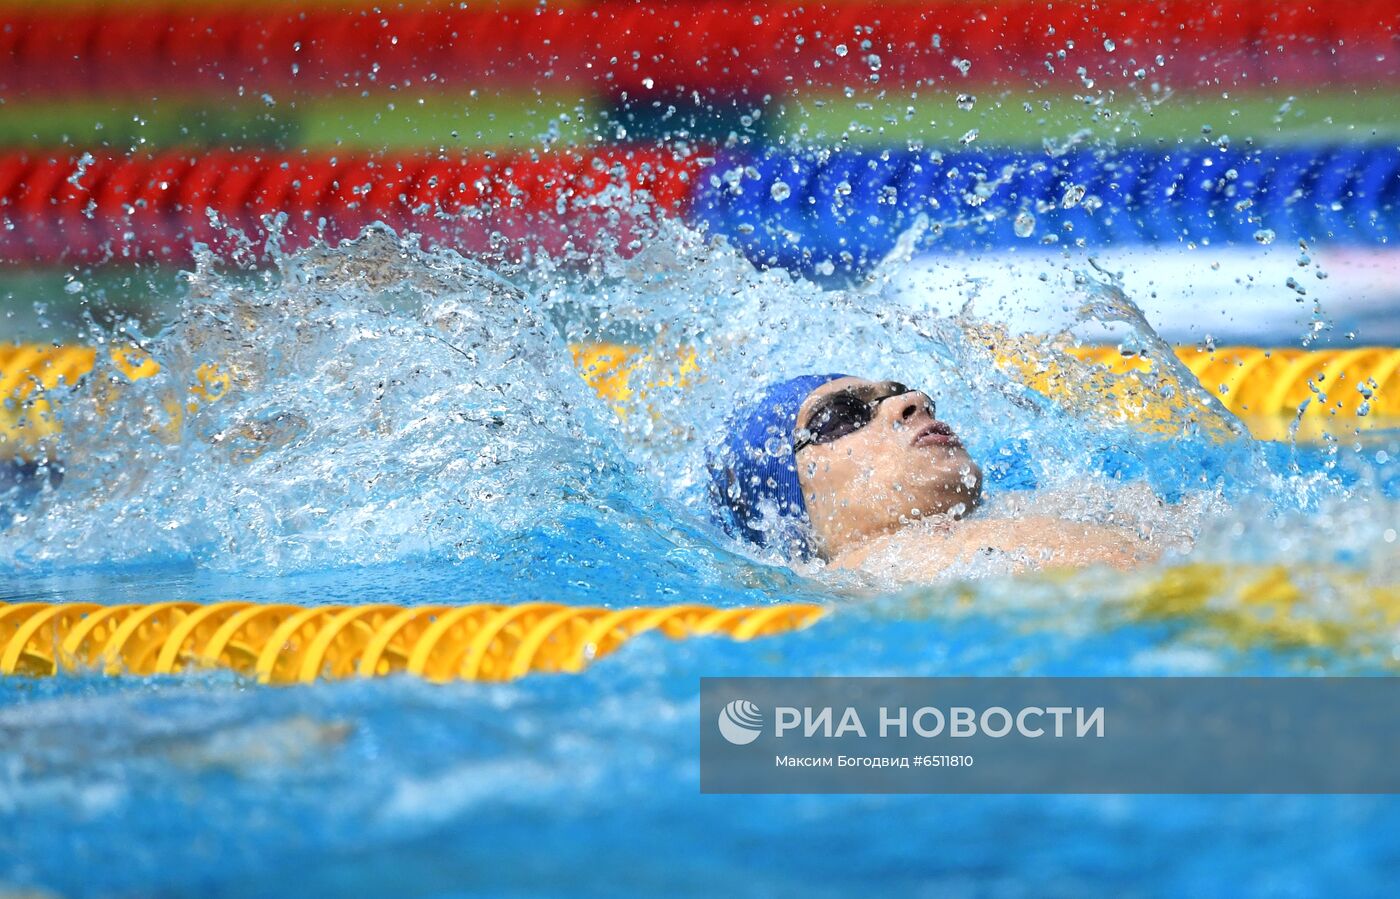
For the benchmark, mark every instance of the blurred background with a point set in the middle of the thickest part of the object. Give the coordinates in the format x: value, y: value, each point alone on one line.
x: 1236, y: 162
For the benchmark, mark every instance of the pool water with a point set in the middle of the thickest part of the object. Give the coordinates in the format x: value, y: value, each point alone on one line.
x: 408, y: 426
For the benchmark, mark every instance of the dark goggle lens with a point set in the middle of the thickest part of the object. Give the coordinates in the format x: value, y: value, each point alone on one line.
x: 843, y: 414
x: 847, y: 412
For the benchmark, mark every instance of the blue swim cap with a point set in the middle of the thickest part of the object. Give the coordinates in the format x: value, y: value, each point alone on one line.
x: 754, y: 492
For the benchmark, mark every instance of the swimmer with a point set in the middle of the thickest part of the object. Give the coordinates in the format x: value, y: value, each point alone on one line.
x: 862, y: 475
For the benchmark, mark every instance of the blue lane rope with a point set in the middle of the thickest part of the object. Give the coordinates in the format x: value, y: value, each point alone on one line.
x: 845, y: 210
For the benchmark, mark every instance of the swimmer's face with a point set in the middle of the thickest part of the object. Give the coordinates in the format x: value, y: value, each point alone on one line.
x: 863, y: 481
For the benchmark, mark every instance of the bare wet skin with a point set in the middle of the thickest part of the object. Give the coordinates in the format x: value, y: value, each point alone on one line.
x: 896, y: 499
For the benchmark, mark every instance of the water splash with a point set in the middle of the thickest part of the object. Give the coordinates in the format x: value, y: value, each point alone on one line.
x: 385, y: 403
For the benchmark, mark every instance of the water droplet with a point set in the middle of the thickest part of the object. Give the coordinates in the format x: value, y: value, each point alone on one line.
x: 962, y: 65
x: 268, y: 100
x: 780, y: 191
x: 1265, y: 236
x: 966, y: 102
x: 969, y: 137
x: 1024, y: 225
x: 80, y: 170
x: 73, y: 287
x: 841, y: 50
x: 1109, y: 45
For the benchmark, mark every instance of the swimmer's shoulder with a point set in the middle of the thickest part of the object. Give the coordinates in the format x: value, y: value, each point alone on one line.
x: 1048, y: 541
x: 924, y: 550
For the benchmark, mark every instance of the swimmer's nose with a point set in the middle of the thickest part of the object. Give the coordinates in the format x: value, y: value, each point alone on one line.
x: 914, y: 401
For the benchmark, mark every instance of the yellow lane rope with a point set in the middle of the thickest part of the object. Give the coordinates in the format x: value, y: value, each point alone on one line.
x: 1344, y: 390
x: 1313, y: 608
x: 1332, y: 392
x: 1299, y: 607
x: 288, y: 644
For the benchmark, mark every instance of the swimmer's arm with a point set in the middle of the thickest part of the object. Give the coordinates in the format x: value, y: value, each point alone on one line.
x: 1059, y: 543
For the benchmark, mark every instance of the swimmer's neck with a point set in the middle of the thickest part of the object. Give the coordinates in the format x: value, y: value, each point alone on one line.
x: 840, y: 548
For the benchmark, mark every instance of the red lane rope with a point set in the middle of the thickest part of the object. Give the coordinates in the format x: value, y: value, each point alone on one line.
x: 623, y: 45
x: 72, y: 208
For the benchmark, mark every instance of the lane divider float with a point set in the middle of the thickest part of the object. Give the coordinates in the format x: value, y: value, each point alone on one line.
x: 805, y: 212
x: 289, y: 644
x: 1278, y: 393
x: 101, y: 206
x: 848, y: 209
x: 1305, y: 394
x: 1289, y: 607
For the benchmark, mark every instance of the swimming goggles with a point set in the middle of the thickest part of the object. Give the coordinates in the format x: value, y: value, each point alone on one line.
x: 846, y: 411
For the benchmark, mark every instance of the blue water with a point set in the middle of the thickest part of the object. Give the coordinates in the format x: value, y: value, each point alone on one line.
x: 589, y: 785
x: 407, y: 427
